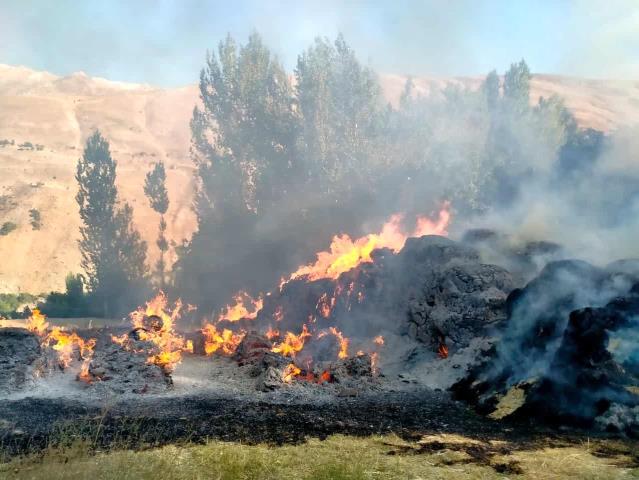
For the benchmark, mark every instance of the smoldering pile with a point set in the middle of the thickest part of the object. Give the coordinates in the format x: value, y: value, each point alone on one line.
x: 568, y: 353
x: 557, y: 336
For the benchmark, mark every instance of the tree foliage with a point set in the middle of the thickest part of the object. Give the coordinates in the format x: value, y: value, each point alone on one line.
x: 156, y: 192
x: 113, y: 253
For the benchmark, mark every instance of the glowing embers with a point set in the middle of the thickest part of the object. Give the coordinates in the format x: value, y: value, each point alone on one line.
x: 155, y: 324
x: 345, y: 253
x: 442, y: 351
x: 293, y: 372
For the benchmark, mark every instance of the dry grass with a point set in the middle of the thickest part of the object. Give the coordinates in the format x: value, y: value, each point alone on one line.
x: 339, y: 457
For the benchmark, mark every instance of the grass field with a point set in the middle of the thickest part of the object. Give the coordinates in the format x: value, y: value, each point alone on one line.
x: 338, y: 457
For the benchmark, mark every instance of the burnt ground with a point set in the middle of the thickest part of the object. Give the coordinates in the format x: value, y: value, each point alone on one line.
x: 30, y: 424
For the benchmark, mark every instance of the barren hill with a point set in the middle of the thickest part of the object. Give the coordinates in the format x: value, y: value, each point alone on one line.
x: 46, y: 118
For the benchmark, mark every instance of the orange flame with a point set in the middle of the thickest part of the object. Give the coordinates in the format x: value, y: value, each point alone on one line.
x: 343, y: 343
x: 239, y: 310
x: 290, y: 372
x: 345, y: 253
x: 170, y: 344
x: 37, y: 322
x: 67, y: 344
x: 272, y: 333
x: 292, y: 343
x: 224, y: 341
x: 378, y: 340
x: 442, y: 351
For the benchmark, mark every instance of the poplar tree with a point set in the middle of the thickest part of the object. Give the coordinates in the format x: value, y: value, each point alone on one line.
x: 113, y: 254
x: 155, y: 190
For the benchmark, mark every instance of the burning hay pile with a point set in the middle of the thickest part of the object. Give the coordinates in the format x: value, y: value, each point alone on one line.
x: 561, y: 347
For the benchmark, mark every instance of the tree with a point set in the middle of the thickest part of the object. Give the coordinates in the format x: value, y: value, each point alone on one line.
x: 340, y: 102
x: 113, y: 254
x: 155, y: 190
x: 490, y: 87
x: 517, y: 84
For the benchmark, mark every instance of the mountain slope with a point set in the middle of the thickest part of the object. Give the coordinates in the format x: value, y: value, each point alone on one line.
x: 145, y: 124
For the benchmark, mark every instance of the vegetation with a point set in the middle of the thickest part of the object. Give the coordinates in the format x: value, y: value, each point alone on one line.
x: 73, y: 303
x: 155, y: 190
x: 7, y: 228
x: 338, y: 457
x: 324, y: 154
x: 113, y: 254
x: 10, y: 303
x: 35, y: 219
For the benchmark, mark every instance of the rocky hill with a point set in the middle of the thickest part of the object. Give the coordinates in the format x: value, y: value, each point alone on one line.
x: 44, y: 120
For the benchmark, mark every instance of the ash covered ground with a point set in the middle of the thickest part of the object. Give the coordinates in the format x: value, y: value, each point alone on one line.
x: 515, y: 346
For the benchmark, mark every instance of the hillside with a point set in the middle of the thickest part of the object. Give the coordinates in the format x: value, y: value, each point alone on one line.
x: 145, y: 124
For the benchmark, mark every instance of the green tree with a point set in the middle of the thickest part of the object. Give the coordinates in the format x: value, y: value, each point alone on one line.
x: 340, y: 101
x: 490, y: 87
x: 517, y: 85
x: 155, y: 190
x: 113, y: 254
x: 244, y: 144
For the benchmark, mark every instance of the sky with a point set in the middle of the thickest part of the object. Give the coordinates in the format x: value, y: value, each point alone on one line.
x: 164, y: 42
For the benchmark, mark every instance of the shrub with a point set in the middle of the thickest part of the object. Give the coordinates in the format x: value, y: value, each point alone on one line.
x: 7, y: 228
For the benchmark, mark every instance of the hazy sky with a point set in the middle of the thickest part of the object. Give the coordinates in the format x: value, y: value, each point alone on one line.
x: 164, y: 42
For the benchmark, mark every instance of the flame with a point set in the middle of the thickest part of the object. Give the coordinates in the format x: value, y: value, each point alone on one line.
x: 272, y: 333
x: 37, y: 322
x: 345, y: 253
x: 67, y: 344
x: 224, y: 341
x: 343, y: 343
x: 278, y: 314
x: 163, y: 336
x: 239, y: 310
x: 442, y: 351
x: 379, y: 340
x: 292, y: 343
x: 290, y: 372
x: 324, y: 305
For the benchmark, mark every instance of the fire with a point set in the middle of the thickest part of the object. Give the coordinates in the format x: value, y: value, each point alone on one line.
x: 37, y: 322
x: 272, y: 333
x: 240, y: 310
x: 68, y: 346
x: 324, y: 305
x: 155, y: 324
x: 442, y: 351
x: 220, y: 340
x: 291, y: 371
x: 378, y: 340
x: 292, y: 343
x: 343, y: 343
x: 345, y: 253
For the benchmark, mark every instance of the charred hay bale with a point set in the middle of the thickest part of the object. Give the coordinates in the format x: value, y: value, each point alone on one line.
x: 125, y: 369
x: 523, y: 260
x: 458, y: 303
x: 562, y: 366
x: 252, y: 349
x: 19, y: 353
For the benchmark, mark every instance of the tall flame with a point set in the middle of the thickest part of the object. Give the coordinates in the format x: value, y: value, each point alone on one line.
x: 37, y: 322
x: 345, y: 253
x: 170, y: 344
